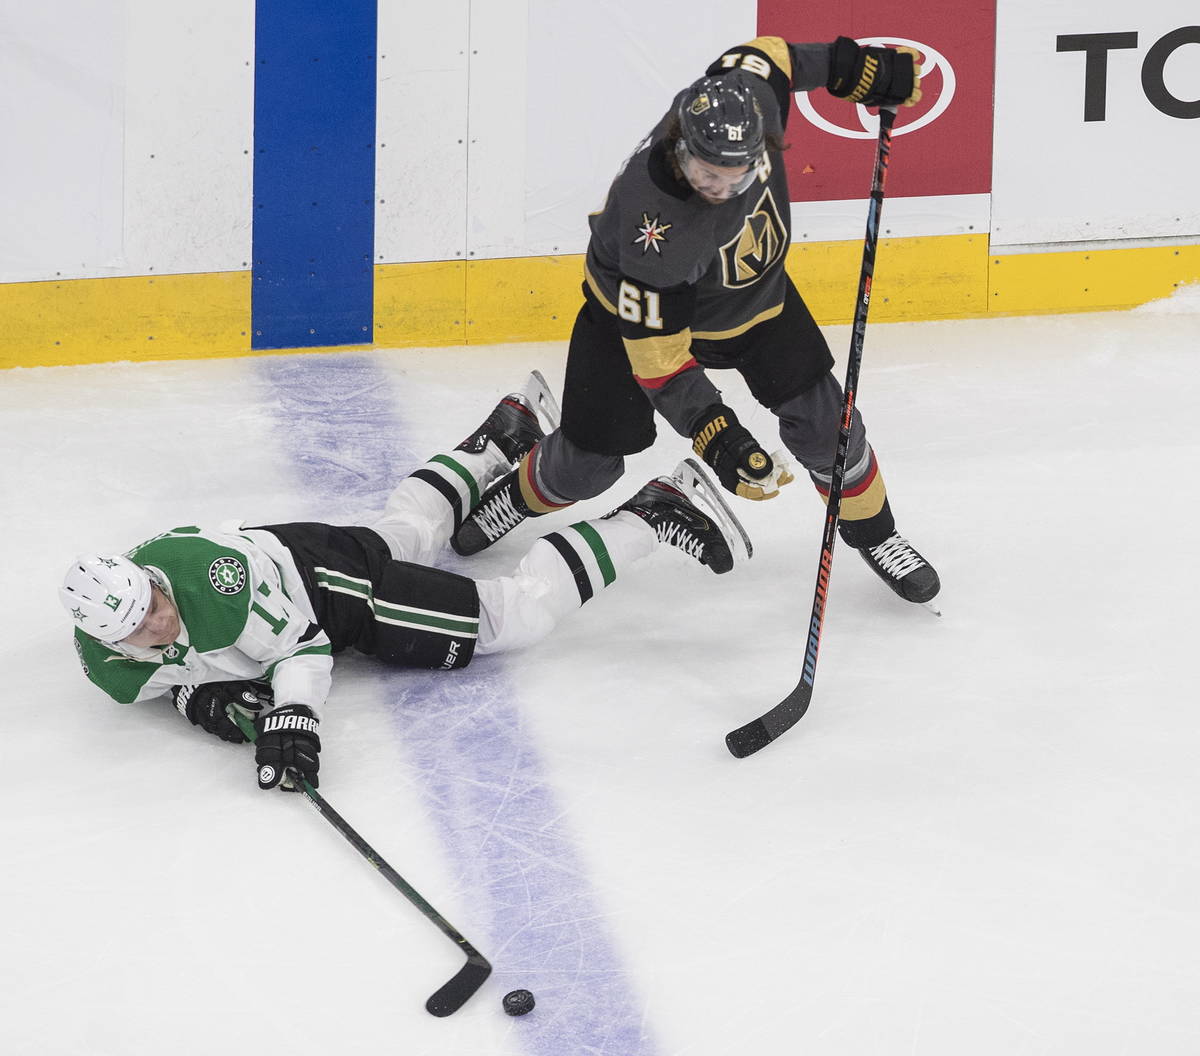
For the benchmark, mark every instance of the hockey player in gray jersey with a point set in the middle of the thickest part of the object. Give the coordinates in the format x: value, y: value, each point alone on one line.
x: 250, y: 618
x: 685, y: 273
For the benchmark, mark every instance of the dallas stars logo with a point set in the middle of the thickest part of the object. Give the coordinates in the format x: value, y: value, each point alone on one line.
x: 227, y: 575
x: 651, y: 233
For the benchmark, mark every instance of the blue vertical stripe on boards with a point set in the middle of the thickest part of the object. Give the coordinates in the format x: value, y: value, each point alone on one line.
x: 314, y: 173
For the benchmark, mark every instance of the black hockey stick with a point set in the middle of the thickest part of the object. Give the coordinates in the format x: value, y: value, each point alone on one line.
x: 470, y: 977
x: 748, y: 739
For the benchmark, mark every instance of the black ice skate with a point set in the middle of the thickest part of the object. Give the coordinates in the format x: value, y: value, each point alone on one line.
x: 513, y: 425
x: 706, y: 532
x: 903, y: 569
x: 499, y: 511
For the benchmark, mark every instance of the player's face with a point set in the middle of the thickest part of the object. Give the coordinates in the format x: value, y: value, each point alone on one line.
x: 714, y: 183
x: 160, y: 625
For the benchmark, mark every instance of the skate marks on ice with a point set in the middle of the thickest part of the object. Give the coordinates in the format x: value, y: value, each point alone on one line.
x: 532, y: 909
x: 516, y: 855
x: 337, y: 417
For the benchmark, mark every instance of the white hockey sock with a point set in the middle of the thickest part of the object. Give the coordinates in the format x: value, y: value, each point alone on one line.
x: 561, y: 571
x: 423, y: 511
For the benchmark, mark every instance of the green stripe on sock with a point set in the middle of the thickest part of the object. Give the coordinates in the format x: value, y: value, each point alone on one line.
x: 592, y: 538
x: 450, y: 464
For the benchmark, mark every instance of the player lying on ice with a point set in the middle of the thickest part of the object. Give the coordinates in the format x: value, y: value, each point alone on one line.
x: 685, y: 275
x: 251, y: 617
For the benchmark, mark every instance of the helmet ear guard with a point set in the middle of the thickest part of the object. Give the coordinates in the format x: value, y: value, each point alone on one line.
x: 107, y: 597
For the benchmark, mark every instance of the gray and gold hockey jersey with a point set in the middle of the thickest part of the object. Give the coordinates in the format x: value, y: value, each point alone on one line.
x: 673, y: 268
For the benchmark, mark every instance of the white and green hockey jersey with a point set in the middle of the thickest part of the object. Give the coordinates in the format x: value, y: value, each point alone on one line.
x: 244, y: 614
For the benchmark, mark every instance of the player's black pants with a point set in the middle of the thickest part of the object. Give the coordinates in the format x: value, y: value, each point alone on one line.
x: 404, y: 614
x: 605, y: 411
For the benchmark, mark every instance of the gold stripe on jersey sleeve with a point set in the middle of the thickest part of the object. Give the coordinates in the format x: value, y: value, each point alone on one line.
x: 658, y: 357
x: 737, y: 331
x: 594, y: 286
x: 775, y: 49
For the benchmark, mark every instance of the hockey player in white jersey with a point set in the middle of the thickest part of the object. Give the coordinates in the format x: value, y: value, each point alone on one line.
x: 250, y: 617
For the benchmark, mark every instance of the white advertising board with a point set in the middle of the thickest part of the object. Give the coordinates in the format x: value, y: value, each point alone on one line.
x: 424, y: 75
x: 128, y: 128
x: 1097, y: 121
x: 62, y: 102
x: 569, y: 103
x: 127, y: 134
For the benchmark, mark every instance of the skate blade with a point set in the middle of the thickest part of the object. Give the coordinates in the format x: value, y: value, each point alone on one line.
x: 539, y: 395
x: 695, y: 483
x: 932, y: 608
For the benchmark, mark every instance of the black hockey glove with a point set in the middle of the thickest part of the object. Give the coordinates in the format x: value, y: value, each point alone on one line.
x: 206, y: 705
x: 286, y: 739
x: 873, y: 76
x: 739, y: 461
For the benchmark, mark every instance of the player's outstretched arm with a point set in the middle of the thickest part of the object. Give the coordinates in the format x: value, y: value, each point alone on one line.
x: 873, y: 76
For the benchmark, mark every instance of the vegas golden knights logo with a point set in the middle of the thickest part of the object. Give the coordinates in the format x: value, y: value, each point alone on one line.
x: 760, y: 243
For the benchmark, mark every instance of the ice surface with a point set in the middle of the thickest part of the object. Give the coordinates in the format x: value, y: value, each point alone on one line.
x: 983, y: 838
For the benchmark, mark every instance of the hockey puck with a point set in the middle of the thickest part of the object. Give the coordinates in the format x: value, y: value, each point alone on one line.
x: 518, y: 1002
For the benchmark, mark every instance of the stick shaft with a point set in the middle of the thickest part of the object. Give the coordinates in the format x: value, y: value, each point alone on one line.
x: 758, y: 733
x: 453, y: 994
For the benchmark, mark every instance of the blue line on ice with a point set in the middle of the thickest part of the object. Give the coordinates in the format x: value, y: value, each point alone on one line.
x: 488, y: 792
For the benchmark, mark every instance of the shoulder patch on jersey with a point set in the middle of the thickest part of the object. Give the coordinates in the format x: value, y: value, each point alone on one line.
x: 227, y: 575
x: 652, y: 233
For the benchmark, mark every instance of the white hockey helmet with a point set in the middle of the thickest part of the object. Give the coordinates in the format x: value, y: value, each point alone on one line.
x: 107, y: 597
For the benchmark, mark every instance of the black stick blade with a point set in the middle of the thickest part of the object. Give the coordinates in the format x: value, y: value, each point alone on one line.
x: 762, y: 731
x: 748, y: 739
x: 457, y: 992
